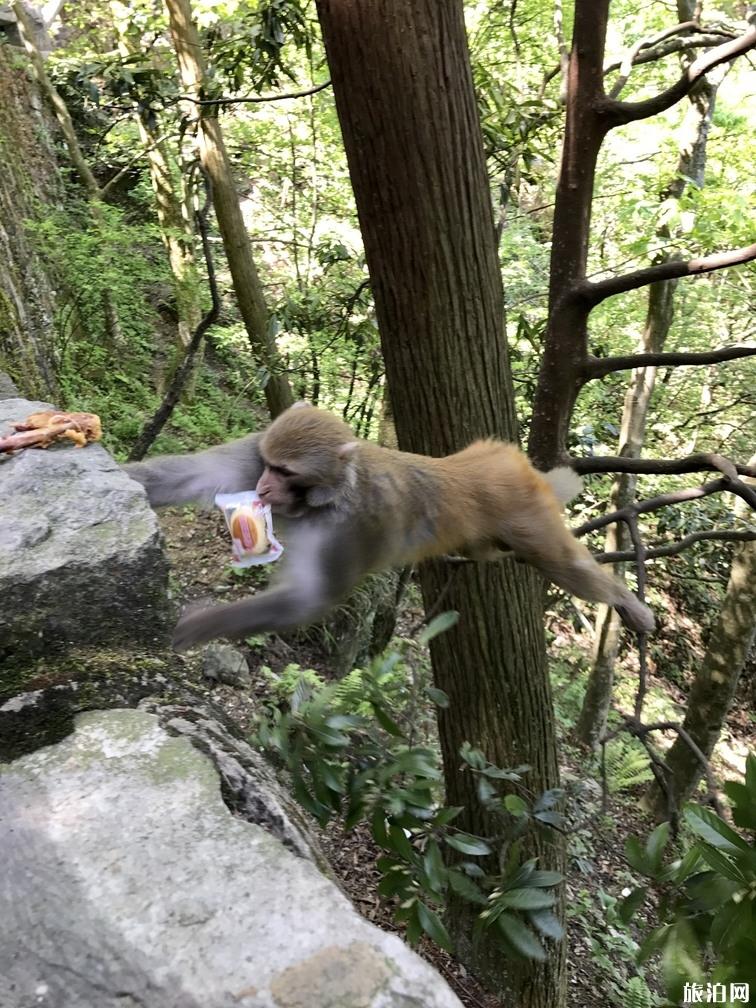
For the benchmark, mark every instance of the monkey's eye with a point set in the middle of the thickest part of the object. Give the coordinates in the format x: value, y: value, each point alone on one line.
x: 281, y: 471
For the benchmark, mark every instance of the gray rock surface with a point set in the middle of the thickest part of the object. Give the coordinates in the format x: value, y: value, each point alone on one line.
x: 225, y: 664
x: 80, y: 550
x: 7, y: 389
x: 127, y: 882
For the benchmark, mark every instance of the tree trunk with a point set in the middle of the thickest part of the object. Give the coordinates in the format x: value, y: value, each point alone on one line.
x: 173, y: 210
x: 406, y: 104
x: 566, y: 340
x: 715, y: 682
x: 214, y: 159
x: 691, y: 164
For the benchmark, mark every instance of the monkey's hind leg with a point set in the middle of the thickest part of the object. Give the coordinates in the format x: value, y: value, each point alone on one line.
x: 540, y: 537
x: 579, y: 574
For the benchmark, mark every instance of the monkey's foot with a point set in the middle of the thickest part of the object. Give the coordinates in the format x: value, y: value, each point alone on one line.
x: 635, y: 615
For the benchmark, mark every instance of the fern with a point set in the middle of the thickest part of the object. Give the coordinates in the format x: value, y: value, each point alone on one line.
x: 637, y: 994
x: 626, y: 764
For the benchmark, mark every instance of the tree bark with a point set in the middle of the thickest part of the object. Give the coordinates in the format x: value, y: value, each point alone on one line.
x: 214, y: 160
x: 715, y: 682
x: 405, y: 100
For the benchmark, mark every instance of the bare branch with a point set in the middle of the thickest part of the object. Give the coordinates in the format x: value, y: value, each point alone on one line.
x: 673, y: 549
x: 665, y: 500
x: 618, y: 113
x: 626, y: 64
x: 253, y: 99
x: 700, y: 462
x: 649, y: 55
x: 673, y: 269
x: 597, y: 367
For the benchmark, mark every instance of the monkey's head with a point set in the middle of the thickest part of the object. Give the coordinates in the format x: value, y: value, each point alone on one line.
x: 308, y: 461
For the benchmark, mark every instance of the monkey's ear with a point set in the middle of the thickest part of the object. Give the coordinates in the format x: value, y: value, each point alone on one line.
x: 347, y: 450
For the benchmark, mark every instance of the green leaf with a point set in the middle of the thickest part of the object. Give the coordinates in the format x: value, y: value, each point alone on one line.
x: 636, y: 856
x: 438, y: 697
x: 680, y: 963
x: 485, y: 789
x: 655, y: 845
x: 654, y: 943
x: 434, y: 867
x: 547, y: 924
x: 545, y: 878
x: 433, y: 927
x: 721, y: 863
x: 632, y: 903
x: 744, y: 804
x: 466, y: 888
x: 467, y: 844
x: 378, y: 828
x: 526, y: 899
x: 386, y: 721
x: 443, y: 622
x: 515, y: 805
x: 447, y: 814
x: 689, y: 863
x: 732, y: 922
x: 520, y: 937
x: 713, y: 830
x: 395, y: 881
x: 397, y: 841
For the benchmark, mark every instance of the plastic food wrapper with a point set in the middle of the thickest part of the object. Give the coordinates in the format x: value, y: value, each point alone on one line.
x: 251, y: 528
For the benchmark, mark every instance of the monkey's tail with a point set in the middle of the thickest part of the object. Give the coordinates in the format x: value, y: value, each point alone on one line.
x: 565, y: 483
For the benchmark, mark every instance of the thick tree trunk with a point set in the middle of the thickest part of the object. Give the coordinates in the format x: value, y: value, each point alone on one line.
x: 214, y: 159
x: 691, y: 164
x: 406, y: 104
x: 714, y: 685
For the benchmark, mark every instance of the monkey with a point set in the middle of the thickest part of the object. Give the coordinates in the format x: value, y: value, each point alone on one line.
x: 350, y: 507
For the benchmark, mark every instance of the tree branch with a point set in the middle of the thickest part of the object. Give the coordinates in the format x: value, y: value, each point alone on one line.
x: 665, y: 500
x: 672, y: 549
x: 155, y: 424
x: 625, y: 66
x: 253, y: 99
x: 646, y: 54
x: 673, y: 269
x: 617, y: 113
x: 700, y: 462
x: 597, y: 367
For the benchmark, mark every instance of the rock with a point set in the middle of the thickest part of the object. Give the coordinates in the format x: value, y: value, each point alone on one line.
x: 126, y: 881
x: 225, y: 664
x: 81, y: 559
x: 7, y: 389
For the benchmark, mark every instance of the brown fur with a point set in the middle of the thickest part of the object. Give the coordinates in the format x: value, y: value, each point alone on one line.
x: 350, y: 507
x: 416, y: 507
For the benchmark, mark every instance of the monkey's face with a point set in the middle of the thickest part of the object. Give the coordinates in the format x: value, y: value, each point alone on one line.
x: 307, y: 455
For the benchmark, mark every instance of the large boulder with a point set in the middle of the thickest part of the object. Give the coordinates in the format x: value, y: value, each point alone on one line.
x: 81, y: 559
x: 127, y: 881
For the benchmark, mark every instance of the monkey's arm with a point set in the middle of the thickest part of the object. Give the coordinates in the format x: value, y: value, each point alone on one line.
x: 197, y: 478
x: 320, y: 570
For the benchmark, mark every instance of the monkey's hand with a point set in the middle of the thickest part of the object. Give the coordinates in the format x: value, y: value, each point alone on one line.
x: 281, y: 608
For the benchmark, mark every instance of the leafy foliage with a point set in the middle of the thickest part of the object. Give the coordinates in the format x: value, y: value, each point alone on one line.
x: 347, y: 756
x: 707, y: 895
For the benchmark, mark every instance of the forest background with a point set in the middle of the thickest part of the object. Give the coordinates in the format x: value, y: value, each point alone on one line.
x: 183, y: 257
